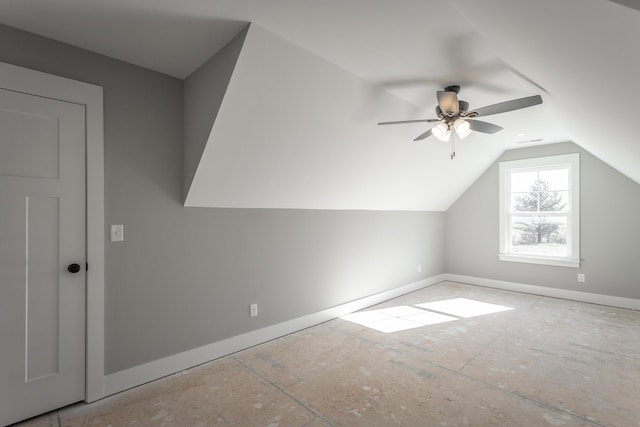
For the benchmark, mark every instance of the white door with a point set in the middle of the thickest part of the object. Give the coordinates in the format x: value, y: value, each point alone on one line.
x: 42, y: 232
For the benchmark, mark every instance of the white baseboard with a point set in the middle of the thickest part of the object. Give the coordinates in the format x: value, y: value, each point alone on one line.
x: 138, y: 375
x: 620, y: 302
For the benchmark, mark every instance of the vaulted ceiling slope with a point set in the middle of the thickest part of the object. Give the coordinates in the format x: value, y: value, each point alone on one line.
x: 291, y: 121
x: 583, y: 52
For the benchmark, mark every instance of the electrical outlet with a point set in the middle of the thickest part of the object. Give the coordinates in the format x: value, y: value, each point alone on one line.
x: 419, y: 269
x: 253, y: 310
x: 581, y: 277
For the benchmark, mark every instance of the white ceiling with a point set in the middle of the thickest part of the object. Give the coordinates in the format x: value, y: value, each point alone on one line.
x: 580, y: 55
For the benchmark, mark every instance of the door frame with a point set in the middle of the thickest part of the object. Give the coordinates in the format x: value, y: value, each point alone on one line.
x: 33, y: 82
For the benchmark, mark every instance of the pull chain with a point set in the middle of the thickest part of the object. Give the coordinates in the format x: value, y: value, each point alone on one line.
x: 453, y: 142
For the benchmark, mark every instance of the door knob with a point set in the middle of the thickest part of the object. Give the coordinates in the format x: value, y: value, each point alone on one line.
x: 73, y: 268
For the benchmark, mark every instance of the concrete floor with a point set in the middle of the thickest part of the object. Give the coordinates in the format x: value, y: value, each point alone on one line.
x: 545, y: 362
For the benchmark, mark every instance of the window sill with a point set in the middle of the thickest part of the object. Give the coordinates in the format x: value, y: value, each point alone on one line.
x: 530, y: 259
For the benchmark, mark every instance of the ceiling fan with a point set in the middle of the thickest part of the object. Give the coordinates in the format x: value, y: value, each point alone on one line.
x: 455, y: 119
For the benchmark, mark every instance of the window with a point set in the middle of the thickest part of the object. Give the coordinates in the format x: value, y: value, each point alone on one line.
x: 539, y: 210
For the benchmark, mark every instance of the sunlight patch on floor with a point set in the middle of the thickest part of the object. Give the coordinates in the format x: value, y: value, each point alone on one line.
x: 398, y: 318
x: 462, y: 307
x: 403, y: 317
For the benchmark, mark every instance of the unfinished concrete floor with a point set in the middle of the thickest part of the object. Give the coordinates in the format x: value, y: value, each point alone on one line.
x: 544, y: 362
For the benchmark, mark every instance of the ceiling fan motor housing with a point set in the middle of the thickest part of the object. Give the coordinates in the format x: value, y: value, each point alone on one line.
x: 452, y: 88
x: 462, y: 112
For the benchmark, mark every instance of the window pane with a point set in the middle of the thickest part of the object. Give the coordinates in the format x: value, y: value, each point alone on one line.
x: 522, y: 181
x: 545, y: 236
x: 524, y: 202
x: 556, y: 201
x: 558, y: 179
x: 539, y: 198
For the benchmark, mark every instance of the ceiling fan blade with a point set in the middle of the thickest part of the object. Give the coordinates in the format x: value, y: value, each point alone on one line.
x: 448, y: 102
x: 423, y: 136
x: 409, y: 121
x: 503, y: 107
x: 484, y: 127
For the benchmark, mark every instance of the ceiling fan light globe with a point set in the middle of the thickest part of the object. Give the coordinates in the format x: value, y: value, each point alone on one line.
x: 463, y: 136
x: 441, y: 131
x: 463, y: 128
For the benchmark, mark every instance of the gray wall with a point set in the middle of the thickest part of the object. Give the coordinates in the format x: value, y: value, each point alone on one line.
x: 184, y: 277
x: 609, y: 237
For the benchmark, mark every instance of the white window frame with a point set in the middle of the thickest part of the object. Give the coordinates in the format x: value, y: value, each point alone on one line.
x: 572, y: 162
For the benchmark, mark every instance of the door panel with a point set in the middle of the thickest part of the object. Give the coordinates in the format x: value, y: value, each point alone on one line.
x: 29, y: 145
x: 42, y: 287
x: 42, y: 231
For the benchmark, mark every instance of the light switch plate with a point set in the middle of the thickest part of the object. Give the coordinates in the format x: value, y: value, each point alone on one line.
x: 117, y: 233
